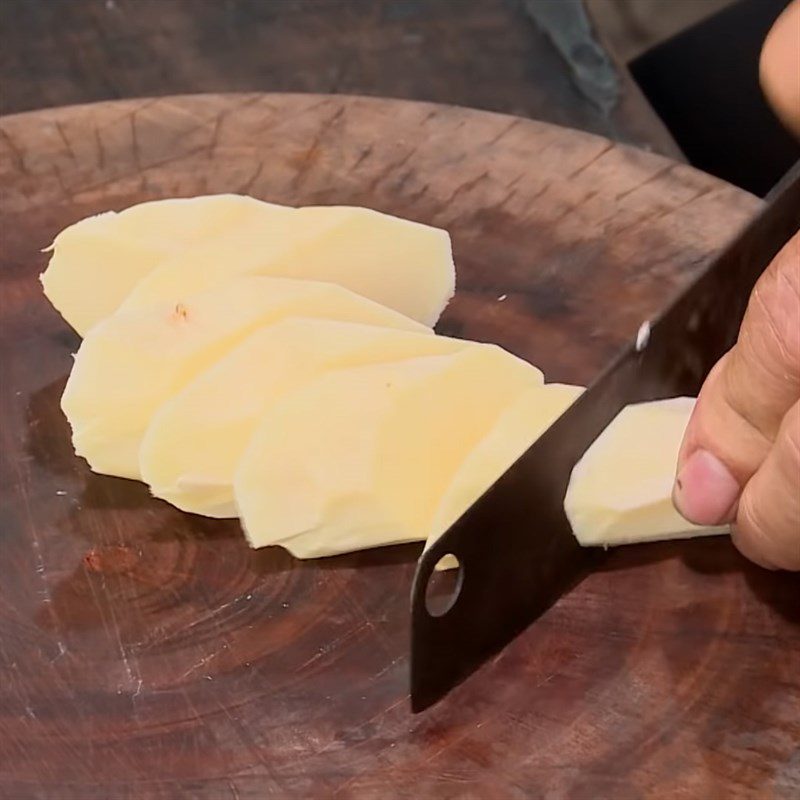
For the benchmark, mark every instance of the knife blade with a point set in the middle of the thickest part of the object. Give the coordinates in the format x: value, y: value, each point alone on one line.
x: 516, y: 551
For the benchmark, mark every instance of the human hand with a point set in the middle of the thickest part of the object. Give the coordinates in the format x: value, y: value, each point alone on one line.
x: 740, y: 458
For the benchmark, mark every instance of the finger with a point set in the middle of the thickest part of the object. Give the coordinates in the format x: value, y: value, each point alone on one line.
x: 767, y: 527
x: 779, y: 67
x: 711, y: 470
x: 744, y: 398
x: 763, y: 381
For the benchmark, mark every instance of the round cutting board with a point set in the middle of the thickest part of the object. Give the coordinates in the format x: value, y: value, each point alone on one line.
x: 147, y: 653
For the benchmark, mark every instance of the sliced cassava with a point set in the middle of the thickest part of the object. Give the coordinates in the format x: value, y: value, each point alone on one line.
x: 227, y: 401
x: 96, y: 262
x: 361, y: 457
x: 404, y: 265
x: 134, y: 361
x: 516, y: 429
x: 621, y: 490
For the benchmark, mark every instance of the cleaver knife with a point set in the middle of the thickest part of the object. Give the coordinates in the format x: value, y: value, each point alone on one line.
x: 514, y: 545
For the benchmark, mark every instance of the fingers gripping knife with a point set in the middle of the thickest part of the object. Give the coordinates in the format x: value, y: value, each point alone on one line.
x: 515, y: 548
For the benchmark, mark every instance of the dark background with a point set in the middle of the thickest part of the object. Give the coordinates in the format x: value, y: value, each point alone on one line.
x: 692, y: 94
x: 488, y: 54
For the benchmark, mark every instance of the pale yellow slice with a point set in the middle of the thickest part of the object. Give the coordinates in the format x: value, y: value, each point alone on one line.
x: 361, y: 457
x: 515, y: 430
x: 403, y: 265
x: 621, y: 490
x: 97, y: 261
x: 134, y: 361
x: 226, y: 402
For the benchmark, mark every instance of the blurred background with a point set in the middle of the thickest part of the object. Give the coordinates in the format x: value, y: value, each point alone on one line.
x: 679, y: 77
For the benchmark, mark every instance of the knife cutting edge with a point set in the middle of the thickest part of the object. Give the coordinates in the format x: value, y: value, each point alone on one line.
x: 516, y: 551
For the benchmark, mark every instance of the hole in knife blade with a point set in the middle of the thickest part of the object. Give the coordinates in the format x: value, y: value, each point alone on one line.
x: 444, y: 585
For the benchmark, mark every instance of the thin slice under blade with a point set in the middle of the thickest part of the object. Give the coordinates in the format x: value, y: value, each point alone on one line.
x: 515, y: 548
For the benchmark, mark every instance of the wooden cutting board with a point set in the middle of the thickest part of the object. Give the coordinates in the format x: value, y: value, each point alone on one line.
x: 149, y: 654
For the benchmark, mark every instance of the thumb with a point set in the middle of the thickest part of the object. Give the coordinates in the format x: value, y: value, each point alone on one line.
x: 745, y: 398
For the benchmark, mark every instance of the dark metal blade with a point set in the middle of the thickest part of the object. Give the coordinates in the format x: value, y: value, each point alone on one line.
x: 515, y: 546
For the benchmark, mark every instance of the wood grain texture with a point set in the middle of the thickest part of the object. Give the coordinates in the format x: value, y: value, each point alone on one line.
x: 478, y: 53
x: 149, y: 654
